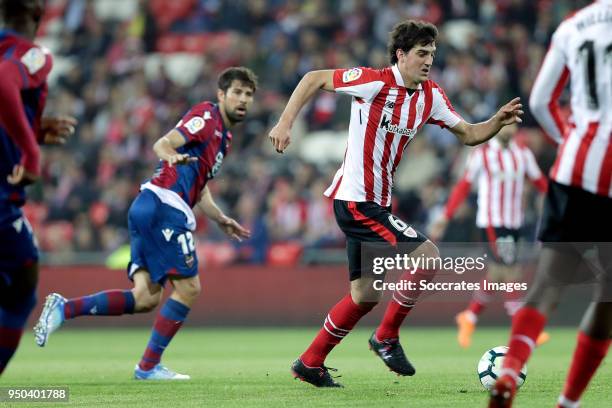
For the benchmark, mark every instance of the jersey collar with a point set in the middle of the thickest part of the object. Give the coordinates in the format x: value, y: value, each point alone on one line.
x: 398, y: 77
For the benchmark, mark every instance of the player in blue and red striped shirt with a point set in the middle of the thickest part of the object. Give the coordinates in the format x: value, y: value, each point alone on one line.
x: 161, y: 222
x: 24, y: 67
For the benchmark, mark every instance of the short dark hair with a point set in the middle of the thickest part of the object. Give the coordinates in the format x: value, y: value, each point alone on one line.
x: 242, y: 74
x: 18, y: 9
x: 409, y: 33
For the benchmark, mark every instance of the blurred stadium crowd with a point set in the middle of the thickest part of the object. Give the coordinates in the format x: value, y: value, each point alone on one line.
x: 129, y: 69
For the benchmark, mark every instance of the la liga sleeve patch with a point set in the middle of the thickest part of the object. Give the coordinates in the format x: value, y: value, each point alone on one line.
x: 351, y: 75
x: 34, y: 59
x: 194, y: 125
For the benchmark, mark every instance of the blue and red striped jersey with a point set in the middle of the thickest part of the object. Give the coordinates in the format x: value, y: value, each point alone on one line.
x: 24, y: 67
x: 208, y: 140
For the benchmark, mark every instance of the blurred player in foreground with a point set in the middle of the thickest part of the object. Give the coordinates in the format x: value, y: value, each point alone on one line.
x: 577, y: 226
x: 389, y: 106
x: 24, y: 67
x: 499, y: 168
x: 161, y: 222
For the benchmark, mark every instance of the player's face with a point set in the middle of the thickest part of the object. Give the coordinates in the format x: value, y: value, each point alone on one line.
x: 415, y: 64
x: 236, y: 101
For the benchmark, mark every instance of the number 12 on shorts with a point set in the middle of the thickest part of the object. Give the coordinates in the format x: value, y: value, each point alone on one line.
x: 186, y: 242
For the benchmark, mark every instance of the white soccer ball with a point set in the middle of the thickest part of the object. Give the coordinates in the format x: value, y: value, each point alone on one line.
x: 490, y: 365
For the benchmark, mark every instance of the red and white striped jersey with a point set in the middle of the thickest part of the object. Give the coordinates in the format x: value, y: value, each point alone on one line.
x: 581, y: 50
x: 500, y: 173
x: 384, y: 119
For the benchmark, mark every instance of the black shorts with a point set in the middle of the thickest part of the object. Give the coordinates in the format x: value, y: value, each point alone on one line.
x: 574, y: 215
x: 370, y: 222
x: 502, y: 244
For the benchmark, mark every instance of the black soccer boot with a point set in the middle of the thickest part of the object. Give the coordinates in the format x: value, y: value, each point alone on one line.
x: 392, y: 354
x: 317, y: 376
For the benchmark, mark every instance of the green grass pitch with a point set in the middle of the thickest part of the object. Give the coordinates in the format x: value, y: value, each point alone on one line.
x: 236, y: 367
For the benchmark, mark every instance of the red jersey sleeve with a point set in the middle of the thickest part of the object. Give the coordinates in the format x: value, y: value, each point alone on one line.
x: 34, y: 65
x: 442, y: 112
x: 359, y: 82
x: 197, y: 125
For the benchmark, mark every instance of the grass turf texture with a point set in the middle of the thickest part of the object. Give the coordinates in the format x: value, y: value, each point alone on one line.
x: 234, y: 367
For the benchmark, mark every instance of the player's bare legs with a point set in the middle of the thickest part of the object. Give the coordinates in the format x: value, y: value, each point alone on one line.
x: 147, y: 294
x: 17, y: 299
x: 167, y: 323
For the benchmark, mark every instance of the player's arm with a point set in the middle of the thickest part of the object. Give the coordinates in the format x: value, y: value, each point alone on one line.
x: 16, y: 125
x: 227, y: 224
x: 280, y: 135
x: 165, y: 148
x: 534, y: 173
x: 475, y: 134
x: 547, y: 88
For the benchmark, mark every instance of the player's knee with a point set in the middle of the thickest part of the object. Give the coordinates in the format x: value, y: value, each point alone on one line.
x: 145, y: 302
x: 427, y: 249
x: 366, y: 298
x: 189, y: 288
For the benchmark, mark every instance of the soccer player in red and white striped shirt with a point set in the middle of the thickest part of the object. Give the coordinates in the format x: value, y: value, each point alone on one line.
x: 499, y: 169
x: 576, y: 221
x: 389, y: 106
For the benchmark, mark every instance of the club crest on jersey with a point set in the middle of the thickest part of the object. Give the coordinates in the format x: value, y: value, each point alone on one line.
x: 420, y: 107
x: 33, y: 59
x: 351, y: 75
x: 389, y: 127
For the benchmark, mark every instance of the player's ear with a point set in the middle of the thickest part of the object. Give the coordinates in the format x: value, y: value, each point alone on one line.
x: 220, y: 95
x: 398, y: 53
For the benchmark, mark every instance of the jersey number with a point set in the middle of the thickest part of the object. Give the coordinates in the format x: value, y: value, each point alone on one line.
x: 587, y: 50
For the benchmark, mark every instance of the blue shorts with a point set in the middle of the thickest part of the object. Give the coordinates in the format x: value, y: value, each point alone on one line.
x: 160, y: 241
x: 18, y: 248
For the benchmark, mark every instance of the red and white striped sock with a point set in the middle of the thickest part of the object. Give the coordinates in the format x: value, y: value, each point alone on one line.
x: 401, y: 304
x: 339, y: 322
x: 527, y: 325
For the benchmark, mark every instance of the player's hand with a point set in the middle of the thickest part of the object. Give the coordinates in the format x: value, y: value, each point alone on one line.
x: 57, y: 129
x: 280, y: 136
x: 510, y: 113
x: 231, y: 227
x: 178, y: 159
x: 21, y: 177
x: 437, y: 229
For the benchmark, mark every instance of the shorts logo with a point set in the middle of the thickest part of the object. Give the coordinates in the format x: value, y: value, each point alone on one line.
x: 351, y: 75
x: 167, y: 234
x: 402, y: 227
x: 410, y: 232
x: 93, y: 310
x: 189, y: 260
x: 33, y: 59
